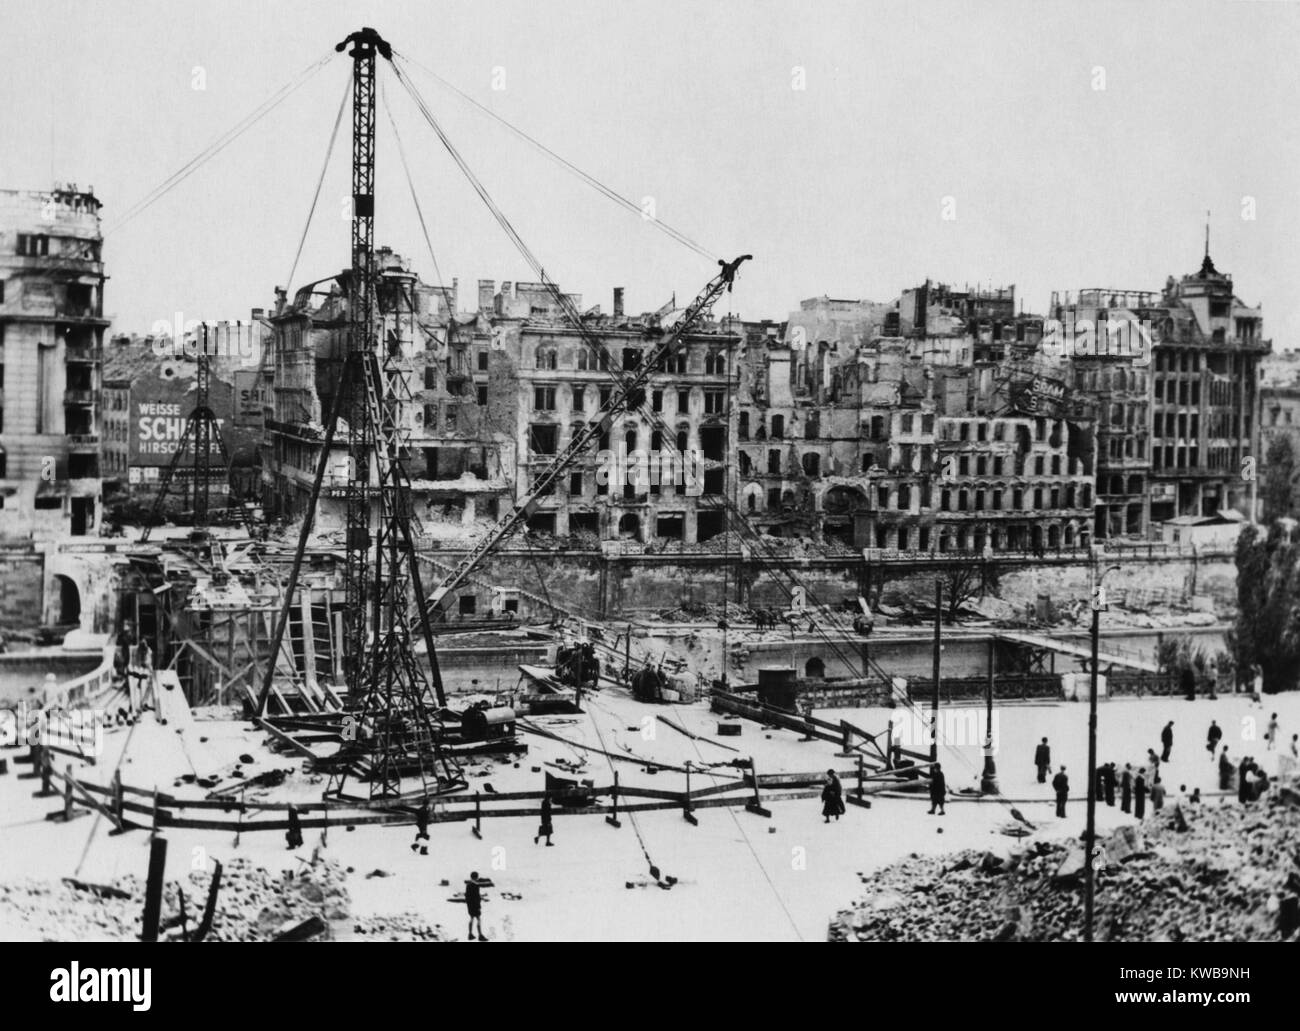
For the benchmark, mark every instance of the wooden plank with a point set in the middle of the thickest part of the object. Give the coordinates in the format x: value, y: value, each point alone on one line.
x: 285, y: 738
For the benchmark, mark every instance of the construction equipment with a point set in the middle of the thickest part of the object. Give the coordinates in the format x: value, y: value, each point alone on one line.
x: 201, y: 434
x: 389, y: 734
x: 627, y: 396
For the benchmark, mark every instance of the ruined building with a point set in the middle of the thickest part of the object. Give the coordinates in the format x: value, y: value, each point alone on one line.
x: 51, y: 334
x: 896, y: 436
x: 454, y: 470
x: 1176, y: 380
x: 545, y: 380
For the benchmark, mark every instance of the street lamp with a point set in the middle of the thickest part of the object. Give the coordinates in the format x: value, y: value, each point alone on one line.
x: 1090, y: 835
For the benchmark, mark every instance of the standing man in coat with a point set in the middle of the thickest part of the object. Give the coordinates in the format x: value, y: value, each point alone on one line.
x: 1108, y: 775
x: 938, y: 789
x: 1126, y: 789
x: 544, y: 827
x: 1212, y: 739
x: 1140, y: 796
x: 1061, y: 785
x: 1167, y: 739
x: 832, y: 797
x: 421, y: 829
x: 1225, y: 770
x: 1043, y: 760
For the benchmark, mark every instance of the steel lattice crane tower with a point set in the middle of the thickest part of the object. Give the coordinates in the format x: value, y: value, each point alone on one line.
x: 201, y: 433
x: 389, y: 732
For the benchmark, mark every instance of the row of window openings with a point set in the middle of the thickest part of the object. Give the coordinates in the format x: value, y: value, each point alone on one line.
x: 715, y: 401
x: 963, y: 539
x: 1224, y: 458
x: 714, y: 483
x: 544, y: 439
x: 80, y: 467
x: 548, y: 360
x: 1218, y: 424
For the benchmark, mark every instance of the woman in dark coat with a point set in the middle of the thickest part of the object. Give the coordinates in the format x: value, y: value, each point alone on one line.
x: 544, y: 829
x: 1225, y: 770
x: 1140, y: 796
x: 832, y: 797
x: 938, y: 789
x: 294, y: 834
x: 1126, y: 789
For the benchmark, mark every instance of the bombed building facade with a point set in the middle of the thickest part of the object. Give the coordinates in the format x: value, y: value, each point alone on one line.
x: 635, y: 486
x: 1176, y: 377
x: 427, y: 361
x: 51, y: 344
x: 943, y: 422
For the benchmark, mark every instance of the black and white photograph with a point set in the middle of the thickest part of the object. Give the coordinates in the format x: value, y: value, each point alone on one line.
x: 652, y: 472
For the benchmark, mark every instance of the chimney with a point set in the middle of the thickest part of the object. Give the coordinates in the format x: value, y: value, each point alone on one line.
x: 486, y: 289
x: 618, y: 302
x: 504, y: 298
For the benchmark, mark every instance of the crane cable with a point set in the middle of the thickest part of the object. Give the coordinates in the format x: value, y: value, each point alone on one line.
x: 590, y: 180
x: 329, y: 151
x: 220, y: 143
x: 616, y: 373
x: 419, y: 212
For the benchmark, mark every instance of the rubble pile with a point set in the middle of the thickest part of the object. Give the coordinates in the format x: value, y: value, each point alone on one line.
x: 253, y: 904
x: 1233, y: 874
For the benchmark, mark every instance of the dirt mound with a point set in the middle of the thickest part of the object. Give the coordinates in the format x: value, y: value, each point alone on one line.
x: 1233, y: 874
x: 253, y: 904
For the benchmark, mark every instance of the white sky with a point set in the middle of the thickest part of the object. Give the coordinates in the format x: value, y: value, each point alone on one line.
x: 835, y: 189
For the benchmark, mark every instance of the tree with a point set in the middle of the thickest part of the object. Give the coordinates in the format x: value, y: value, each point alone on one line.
x: 1267, y: 631
x: 1279, y: 475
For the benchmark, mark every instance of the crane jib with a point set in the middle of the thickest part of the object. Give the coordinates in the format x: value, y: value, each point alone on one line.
x: 628, y: 395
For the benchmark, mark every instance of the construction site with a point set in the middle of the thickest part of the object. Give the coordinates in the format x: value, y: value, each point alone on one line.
x: 423, y: 580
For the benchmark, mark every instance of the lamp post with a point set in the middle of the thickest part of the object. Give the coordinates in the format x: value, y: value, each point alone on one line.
x: 1090, y: 835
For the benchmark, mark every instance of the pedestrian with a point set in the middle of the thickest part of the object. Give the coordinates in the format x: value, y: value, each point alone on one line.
x: 1257, y: 685
x: 1140, y: 796
x: 1167, y: 739
x: 1196, y: 796
x: 1225, y: 770
x: 938, y: 789
x: 1243, y: 780
x: 1157, y: 795
x: 1061, y: 785
x: 1270, y: 735
x: 1295, y: 746
x: 294, y: 834
x: 474, y: 903
x: 1043, y: 760
x: 1126, y: 789
x: 1108, y: 774
x: 544, y: 828
x: 1212, y: 739
x: 833, y: 797
x: 421, y: 828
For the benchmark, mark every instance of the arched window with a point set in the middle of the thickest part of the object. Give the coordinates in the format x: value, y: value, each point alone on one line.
x: 547, y: 358
x: 778, y: 427
x: 584, y: 360
x: 812, y: 464
x: 815, y: 669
